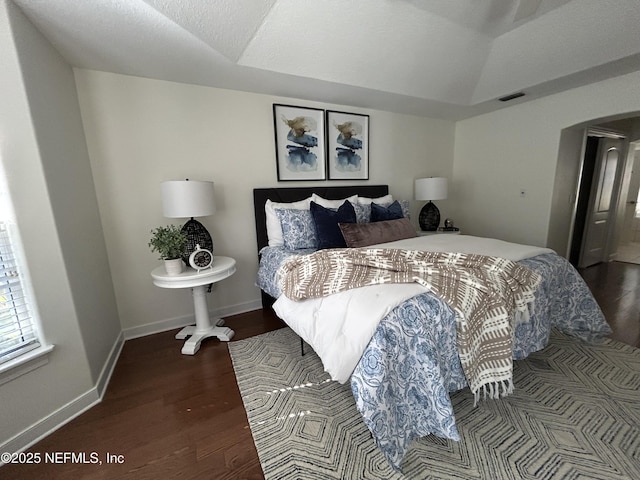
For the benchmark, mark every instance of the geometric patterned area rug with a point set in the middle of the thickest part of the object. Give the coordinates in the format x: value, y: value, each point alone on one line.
x: 575, y: 413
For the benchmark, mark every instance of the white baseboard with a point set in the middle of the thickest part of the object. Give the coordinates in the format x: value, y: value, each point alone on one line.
x: 68, y: 412
x: 184, y: 320
x: 109, y: 365
x: 239, y: 308
x: 51, y: 423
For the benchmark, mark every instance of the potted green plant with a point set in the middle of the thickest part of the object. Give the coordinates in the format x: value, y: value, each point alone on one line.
x: 170, y: 243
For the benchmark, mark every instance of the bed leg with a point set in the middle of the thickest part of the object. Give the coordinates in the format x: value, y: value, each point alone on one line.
x: 301, y: 346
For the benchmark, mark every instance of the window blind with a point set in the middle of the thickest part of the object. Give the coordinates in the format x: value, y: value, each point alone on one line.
x: 17, y: 330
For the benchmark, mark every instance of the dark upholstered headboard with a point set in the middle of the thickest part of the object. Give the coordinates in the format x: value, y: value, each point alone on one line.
x: 293, y: 194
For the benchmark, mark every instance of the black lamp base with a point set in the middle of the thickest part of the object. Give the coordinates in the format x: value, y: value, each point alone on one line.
x: 196, y: 234
x: 429, y: 219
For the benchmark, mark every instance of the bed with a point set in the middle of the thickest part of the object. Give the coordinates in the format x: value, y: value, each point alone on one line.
x: 395, y: 344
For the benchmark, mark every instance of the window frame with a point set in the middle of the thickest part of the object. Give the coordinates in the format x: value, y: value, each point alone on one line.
x: 35, y: 353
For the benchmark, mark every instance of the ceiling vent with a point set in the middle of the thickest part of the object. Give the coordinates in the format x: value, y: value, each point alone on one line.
x: 511, y: 97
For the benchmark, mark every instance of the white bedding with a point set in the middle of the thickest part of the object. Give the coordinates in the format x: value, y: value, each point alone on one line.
x: 339, y: 327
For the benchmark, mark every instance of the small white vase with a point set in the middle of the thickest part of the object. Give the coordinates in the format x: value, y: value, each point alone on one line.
x: 173, y: 266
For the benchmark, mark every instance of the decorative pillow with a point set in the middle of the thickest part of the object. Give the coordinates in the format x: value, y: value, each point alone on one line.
x: 353, y: 199
x: 406, y: 210
x: 298, y: 228
x: 365, y: 234
x: 274, y: 230
x: 380, y: 213
x: 326, y: 222
x: 363, y: 213
x: 386, y: 199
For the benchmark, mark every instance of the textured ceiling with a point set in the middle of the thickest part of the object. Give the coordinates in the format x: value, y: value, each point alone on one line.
x: 440, y: 58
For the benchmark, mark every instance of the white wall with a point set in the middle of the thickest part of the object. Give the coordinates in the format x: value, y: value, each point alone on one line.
x: 500, y: 153
x: 55, y: 113
x: 44, y: 155
x: 141, y: 132
x: 564, y: 199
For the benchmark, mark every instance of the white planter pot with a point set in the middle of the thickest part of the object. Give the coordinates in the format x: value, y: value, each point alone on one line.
x: 174, y: 266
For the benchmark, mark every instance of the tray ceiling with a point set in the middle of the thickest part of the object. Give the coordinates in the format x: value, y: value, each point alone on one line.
x: 440, y: 58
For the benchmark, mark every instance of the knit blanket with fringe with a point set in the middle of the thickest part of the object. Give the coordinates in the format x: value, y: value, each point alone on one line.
x: 485, y: 292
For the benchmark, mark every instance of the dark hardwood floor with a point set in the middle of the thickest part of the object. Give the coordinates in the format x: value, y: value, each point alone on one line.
x: 169, y: 415
x: 616, y: 287
x: 172, y: 416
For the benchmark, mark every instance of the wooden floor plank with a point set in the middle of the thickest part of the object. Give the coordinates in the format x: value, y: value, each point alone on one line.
x: 174, y: 416
x: 616, y: 287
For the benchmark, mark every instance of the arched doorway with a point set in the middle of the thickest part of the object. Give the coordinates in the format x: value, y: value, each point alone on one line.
x: 566, y: 225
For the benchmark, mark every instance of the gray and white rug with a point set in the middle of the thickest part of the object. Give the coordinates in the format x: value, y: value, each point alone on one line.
x: 575, y: 413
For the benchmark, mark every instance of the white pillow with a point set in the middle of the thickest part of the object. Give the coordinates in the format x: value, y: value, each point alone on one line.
x: 377, y: 201
x: 353, y: 199
x: 274, y: 230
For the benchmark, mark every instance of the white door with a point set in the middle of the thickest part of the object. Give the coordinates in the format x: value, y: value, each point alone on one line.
x: 601, y: 203
x: 633, y: 198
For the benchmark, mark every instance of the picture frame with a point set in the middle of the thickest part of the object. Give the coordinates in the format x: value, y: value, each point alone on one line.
x: 347, y: 145
x: 300, y: 143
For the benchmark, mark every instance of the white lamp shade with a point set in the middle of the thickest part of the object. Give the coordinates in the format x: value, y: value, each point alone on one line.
x: 187, y: 198
x: 433, y: 188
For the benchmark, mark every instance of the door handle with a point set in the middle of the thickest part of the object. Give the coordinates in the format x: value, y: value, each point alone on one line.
x: 632, y: 202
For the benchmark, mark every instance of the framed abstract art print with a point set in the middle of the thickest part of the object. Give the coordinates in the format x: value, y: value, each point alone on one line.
x: 300, y: 143
x: 347, y: 146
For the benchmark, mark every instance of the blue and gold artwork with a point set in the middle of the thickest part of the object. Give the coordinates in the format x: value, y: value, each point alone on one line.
x: 300, y: 157
x: 347, y: 158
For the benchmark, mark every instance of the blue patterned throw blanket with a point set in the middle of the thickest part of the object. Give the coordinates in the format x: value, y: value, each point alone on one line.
x: 484, y: 292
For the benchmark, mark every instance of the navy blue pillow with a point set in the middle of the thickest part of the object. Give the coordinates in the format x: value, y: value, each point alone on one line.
x: 380, y: 213
x: 326, y: 221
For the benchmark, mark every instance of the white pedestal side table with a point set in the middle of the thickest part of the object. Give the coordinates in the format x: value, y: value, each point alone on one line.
x: 205, y: 327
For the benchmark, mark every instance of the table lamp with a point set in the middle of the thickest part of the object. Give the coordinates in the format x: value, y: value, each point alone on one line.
x: 189, y: 199
x: 433, y: 188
